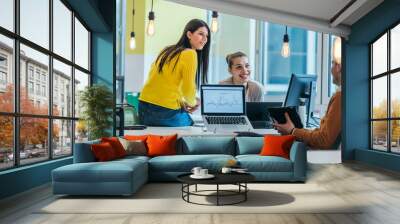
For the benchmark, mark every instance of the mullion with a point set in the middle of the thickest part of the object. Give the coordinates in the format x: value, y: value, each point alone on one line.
x: 389, y: 101
x: 50, y: 87
x: 17, y: 88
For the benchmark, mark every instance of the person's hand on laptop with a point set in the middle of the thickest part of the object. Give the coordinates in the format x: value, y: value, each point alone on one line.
x: 286, y: 128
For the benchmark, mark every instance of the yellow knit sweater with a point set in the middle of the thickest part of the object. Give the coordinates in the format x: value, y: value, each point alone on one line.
x: 172, y: 86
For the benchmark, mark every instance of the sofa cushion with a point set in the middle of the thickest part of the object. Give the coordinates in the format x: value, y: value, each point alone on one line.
x: 249, y: 145
x: 276, y: 145
x: 103, y: 152
x: 197, y: 145
x: 96, y: 172
x: 161, y: 145
x: 135, y: 147
x: 116, y: 145
x: 185, y: 163
x: 257, y: 163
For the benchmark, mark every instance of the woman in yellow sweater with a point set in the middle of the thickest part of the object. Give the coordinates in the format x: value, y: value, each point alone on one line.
x: 170, y: 91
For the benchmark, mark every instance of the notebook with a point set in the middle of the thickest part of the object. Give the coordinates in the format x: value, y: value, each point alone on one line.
x: 223, y: 108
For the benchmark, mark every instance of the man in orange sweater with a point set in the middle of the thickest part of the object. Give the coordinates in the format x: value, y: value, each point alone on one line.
x: 330, y: 126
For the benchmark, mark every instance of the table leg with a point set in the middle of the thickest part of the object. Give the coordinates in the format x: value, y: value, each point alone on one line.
x: 245, y: 191
x: 217, y: 194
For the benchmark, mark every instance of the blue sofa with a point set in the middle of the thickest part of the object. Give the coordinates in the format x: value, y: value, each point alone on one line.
x: 125, y: 176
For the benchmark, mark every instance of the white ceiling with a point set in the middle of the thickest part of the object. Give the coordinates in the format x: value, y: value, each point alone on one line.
x: 318, y: 15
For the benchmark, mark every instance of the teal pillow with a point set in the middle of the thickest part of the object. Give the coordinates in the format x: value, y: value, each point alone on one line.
x: 195, y: 145
x: 249, y: 145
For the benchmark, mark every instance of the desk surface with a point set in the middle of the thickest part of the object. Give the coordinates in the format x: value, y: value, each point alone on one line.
x: 185, y: 131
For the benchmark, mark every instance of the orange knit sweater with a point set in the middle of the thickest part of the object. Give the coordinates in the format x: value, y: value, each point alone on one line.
x: 330, y: 127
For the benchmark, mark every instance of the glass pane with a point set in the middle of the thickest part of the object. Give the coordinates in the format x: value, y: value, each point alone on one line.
x: 81, y: 45
x: 62, y: 29
x: 379, y: 98
x: 81, y: 131
x: 395, y: 138
x: 6, y: 142
x: 33, y: 139
x: 81, y: 81
x: 6, y: 74
x: 7, y: 14
x: 62, y: 141
x: 302, y: 59
x: 62, y: 89
x: 379, y: 135
x: 395, y: 47
x: 35, y: 21
x: 34, y: 81
x: 379, y: 55
x: 395, y: 95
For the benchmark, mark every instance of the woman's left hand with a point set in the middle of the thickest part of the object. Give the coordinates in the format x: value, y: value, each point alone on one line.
x: 191, y: 109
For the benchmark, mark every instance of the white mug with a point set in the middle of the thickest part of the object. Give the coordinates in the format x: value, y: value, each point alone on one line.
x: 196, y: 170
x: 226, y: 170
x: 203, y: 172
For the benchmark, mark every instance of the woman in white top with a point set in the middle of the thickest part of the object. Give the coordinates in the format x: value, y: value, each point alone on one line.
x: 238, y: 66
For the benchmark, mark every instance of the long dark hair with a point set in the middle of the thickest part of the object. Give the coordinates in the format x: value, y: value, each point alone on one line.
x: 175, y: 50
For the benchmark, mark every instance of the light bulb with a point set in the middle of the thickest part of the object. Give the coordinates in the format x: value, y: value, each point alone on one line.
x: 214, y: 22
x: 150, y: 25
x: 214, y: 25
x: 132, y: 41
x: 337, y: 50
x: 285, y: 52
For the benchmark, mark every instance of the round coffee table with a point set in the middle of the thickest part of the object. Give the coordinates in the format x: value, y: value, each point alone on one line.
x: 238, y: 179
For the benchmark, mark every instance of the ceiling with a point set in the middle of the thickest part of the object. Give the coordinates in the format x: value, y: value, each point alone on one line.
x: 328, y: 16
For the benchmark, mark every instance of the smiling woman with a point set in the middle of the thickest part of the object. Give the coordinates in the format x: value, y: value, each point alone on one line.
x: 239, y: 68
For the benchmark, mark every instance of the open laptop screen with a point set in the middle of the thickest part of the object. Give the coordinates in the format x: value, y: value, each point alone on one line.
x: 222, y: 100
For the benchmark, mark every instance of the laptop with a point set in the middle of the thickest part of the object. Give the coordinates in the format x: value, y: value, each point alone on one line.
x: 257, y: 112
x: 223, y: 108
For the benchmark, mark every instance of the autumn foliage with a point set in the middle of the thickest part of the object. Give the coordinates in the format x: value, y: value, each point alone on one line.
x: 33, y: 130
x: 380, y: 127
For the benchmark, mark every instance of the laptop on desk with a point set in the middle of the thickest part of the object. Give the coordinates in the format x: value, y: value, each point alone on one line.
x: 223, y: 108
x: 257, y: 112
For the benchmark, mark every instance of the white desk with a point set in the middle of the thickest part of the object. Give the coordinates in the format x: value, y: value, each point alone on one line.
x: 185, y: 131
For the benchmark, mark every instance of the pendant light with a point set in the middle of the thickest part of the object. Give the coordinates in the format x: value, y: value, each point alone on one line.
x: 132, y: 41
x: 150, y: 25
x: 337, y: 50
x: 214, y: 22
x: 285, y: 52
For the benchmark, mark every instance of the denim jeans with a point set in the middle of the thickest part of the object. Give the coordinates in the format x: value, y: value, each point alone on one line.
x: 154, y: 115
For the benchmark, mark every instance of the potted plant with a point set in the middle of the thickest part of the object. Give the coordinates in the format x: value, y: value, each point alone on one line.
x: 96, y: 102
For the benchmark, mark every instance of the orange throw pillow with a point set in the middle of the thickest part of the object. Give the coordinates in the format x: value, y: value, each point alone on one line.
x: 103, y: 152
x: 161, y: 145
x: 136, y: 137
x: 276, y: 145
x: 116, y: 145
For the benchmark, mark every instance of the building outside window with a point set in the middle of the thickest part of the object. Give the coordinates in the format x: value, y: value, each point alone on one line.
x: 34, y: 79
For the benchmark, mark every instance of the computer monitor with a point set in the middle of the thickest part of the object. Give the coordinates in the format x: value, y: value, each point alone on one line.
x: 302, y: 87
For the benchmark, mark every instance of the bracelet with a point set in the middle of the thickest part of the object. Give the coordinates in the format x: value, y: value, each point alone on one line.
x: 291, y: 132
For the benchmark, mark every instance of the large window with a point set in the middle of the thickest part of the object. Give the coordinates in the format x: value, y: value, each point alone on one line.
x: 37, y: 66
x: 385, y: 96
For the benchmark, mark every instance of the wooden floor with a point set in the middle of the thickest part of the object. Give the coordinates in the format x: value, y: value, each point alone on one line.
x: 377, y: 188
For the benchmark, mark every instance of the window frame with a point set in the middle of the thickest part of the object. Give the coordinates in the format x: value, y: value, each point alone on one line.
x: 388, y: 74
x: 16, y: 114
